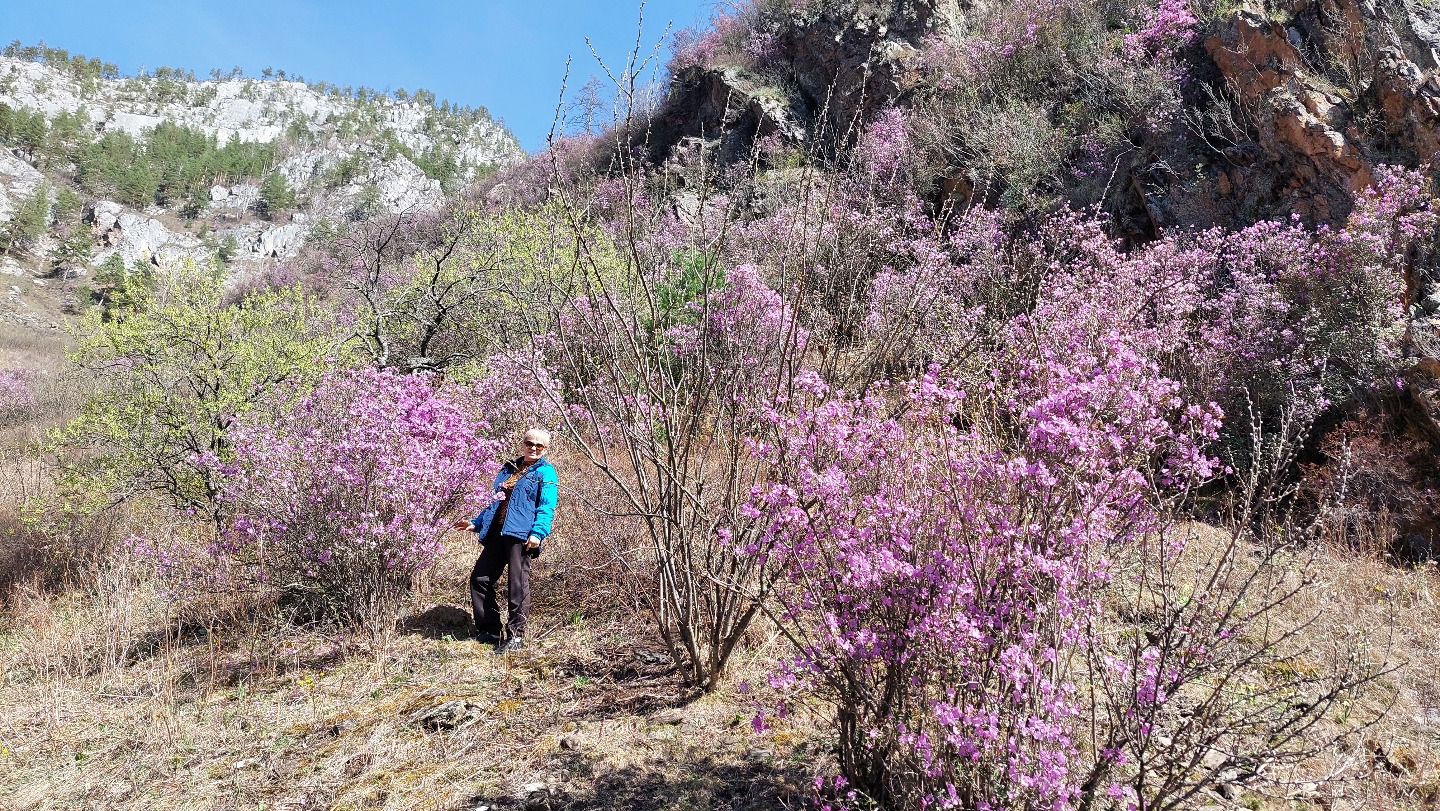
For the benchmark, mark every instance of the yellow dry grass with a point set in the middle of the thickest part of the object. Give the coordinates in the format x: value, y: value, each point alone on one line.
x: 99, y: 710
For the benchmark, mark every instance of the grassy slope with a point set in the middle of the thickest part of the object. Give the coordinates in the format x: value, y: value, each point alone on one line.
x: 100, y: 707
x: 98, y: 711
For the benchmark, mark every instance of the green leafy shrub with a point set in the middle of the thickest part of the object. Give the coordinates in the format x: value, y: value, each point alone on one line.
x: 172, y: 372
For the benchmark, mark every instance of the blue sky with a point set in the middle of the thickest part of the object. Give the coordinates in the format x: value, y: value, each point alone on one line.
x: 506, y: 55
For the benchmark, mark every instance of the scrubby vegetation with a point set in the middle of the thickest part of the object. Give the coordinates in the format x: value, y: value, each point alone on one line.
x: 976, y: 500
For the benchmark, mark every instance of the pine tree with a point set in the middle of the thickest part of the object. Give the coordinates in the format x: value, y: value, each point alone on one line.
x: 29, y: 223
x: 67, y: 206
x: 276, y: 195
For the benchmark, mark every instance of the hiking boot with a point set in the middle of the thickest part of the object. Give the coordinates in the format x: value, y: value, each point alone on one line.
x: 513, y: 644
x: 486, y: 638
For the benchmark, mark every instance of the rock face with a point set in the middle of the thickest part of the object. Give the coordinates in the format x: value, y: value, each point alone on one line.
x: 1305, y: 133
x: 244, y: 109
x: 845, y: 61
x: 1334, y: 90
x: 138, y: 238
x: 727, y: 109
x: 1317, y: 94
x: 852, y: 58
x: 1409, y: 101
x: 342, y: 155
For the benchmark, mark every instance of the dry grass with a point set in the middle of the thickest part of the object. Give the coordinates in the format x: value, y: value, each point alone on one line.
x: 1392, y: 612
x: 27, y: 347
x: 58, y: 391
x: 1380, y: 748
x: 109, y: 700
x: 100, y: 707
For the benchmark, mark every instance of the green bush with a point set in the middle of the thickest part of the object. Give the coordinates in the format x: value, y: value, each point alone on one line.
x: 119, y: 289
x: 346, y: 170
x: 172, y: 374
x: 23, y: 129
x: 31, y: 219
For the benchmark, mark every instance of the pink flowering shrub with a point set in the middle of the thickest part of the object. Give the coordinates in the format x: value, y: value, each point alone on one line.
x: 1278, y: 313
x: 938, y: 579
x: 515, y: 393
x: 567, y: 159
x: 340, y: 498
x: 937, y: 302
x: 1166, y: 29
x: 834, y: 238
x: 667, y: 360
x: 1043, y: 101
x: 17, y: 397
x: 737, y: 37
x: 884, y: 147
x: 1275, y: 317
x: 693, y: 48
x: 724, y: 331
x: 744, y: 340
x: 940, y: 554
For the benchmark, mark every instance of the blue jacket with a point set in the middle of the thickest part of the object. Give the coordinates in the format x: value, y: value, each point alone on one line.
x: 532, y: 502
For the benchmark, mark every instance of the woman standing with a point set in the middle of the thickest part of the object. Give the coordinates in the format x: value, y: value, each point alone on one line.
x: 511, y: 531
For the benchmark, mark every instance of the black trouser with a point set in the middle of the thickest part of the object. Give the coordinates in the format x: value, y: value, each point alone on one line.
x: 498, y: 553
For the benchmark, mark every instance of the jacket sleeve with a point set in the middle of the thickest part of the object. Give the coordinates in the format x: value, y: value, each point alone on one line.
x: 549, y: 498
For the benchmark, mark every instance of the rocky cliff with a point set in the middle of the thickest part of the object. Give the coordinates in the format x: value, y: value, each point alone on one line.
x: 1277, y: 107
x: 341, y: 154
x: 1167, y: 115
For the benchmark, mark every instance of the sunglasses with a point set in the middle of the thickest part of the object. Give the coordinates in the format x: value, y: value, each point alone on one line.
x: 530, y: 444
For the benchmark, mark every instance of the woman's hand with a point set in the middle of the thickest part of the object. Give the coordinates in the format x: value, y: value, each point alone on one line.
x: 465, y: 525
x: 532, y: 544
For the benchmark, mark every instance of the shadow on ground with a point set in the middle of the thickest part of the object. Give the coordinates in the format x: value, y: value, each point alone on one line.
x: 749, y: 784
x: 438, y: 622
x: 706, y: 783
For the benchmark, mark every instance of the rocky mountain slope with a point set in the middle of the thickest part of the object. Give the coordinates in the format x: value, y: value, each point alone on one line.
x: 73, y: 130
x: 1281, y: 107
x: 1166, y: 116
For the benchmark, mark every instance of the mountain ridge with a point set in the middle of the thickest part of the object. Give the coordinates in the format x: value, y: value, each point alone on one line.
x: 342, y: 154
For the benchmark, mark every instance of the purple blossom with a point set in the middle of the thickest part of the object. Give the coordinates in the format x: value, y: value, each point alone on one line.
x: 344, y: 492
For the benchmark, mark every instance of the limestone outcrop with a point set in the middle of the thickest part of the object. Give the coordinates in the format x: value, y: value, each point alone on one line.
x: 342, y: 155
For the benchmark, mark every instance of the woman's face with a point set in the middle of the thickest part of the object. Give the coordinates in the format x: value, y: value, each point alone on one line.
x: 532, y: 447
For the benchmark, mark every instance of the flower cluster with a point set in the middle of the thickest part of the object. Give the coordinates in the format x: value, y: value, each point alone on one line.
x: 938, y: 579
x: 743, y: 338
x: 1166, y: 29
x: 516, y: 393
x: 884, y: 146
x: 342, y: 494
x: 736, y: 36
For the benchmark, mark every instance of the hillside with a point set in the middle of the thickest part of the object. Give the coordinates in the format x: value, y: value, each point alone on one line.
x: 150, y: 169
x: 975, y: 405
x: 1166, y: 115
